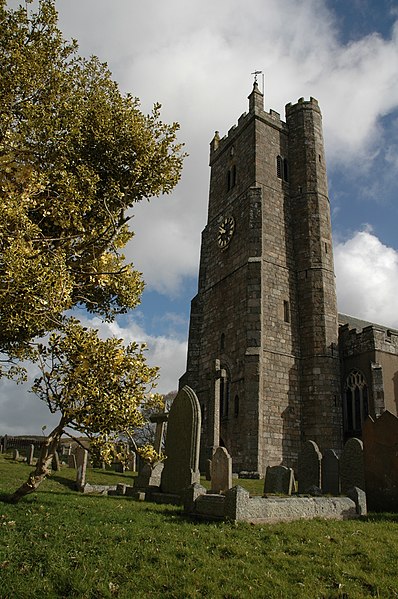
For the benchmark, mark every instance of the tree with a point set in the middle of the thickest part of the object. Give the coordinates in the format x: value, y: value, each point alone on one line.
x: 99, y: 387
x: 75, y: 155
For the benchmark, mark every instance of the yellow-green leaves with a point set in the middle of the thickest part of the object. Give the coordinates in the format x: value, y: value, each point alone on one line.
x: 75, y: 155
x: 101, y: 387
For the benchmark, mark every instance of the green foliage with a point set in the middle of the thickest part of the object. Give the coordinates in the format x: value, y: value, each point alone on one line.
x: 100, y: 387
x: 75, y: 155
x: 62, y: 544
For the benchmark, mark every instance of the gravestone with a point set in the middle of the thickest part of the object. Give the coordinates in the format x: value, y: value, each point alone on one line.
x: 221, y: 471
x: 148, y: 476
x: 132, y: 462
x: 330, y: 473
x: 279, y: 479
x: 55, y: 464
x: 81, y: 467
x: 71, y: 460
x: 181, y: 468
x: 380, y: 449
x: 119, y: 467
x: 15, y: 454
x: 160, y: 421
x: 30, y: 454
x: 352, y: 472
x: 309, y: 467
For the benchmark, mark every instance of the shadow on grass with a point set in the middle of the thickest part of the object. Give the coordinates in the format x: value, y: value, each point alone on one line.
x: 380, y: 517
x: 65, y: 482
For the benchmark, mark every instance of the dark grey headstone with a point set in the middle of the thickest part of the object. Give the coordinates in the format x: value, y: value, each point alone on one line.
x: 72, y: 461
x: 330, y: 473
x: 181, y: 468
x: 309, y: 467
x: 221, y: 471
x: 279, y: 479
x: 352, y: 471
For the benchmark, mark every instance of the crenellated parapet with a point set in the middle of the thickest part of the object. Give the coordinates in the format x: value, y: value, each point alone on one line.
x: 370, y: 338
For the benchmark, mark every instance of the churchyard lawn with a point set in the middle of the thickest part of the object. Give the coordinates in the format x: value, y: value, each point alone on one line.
x: 58, y: 543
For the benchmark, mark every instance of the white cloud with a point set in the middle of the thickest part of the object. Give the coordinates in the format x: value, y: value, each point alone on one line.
x: 367, y: 279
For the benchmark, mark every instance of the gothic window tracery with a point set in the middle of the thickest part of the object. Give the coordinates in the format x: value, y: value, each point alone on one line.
x: 356, y: 403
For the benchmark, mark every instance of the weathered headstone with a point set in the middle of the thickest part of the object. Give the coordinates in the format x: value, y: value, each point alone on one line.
x: 71, y: 460
x: 221, y: 471
x: 30, y: 454
x: 81, y: 467
x: 55, y: 464
x: 119, y: 467
x: 160, y: 421
x: 15, y: 454
x: 132, y: 461
x: 380, y: 449
x: 148, y: 476
x: 330, y: 473
x: 309, y: 467
x: 352, y: 472
x: 279, y: 479
x: 181, y: 467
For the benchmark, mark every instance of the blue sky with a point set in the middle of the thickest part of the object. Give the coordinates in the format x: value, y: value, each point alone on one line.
x: 196, y: 58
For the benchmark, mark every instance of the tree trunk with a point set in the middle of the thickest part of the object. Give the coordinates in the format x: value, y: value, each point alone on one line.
x: 42, y: 469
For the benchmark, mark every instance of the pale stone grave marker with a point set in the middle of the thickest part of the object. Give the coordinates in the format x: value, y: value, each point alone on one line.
x: 15, y: 454
x: 221, y: 471
x: 309, y: 467
x: 352, y: 470
x: 81, y: 467
x: 181, y: 468
x: 330, y: 472
x: 279, y: 479
x: 30, y: 454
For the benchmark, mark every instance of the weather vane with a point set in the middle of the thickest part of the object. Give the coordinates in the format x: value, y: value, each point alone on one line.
x: 256, y: 74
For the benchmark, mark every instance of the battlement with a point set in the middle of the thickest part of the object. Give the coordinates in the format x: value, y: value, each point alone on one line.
x: 272, y: 118
x: 370, y: 338
x: 302, y: 104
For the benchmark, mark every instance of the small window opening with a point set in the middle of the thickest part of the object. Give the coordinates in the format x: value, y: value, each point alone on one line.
x: 326, y: 248
x: 286, y: 311
x: 279, y: 167
x: 285, y: 170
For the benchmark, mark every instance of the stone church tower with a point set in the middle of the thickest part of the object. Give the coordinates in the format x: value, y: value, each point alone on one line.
x: 263, y: 340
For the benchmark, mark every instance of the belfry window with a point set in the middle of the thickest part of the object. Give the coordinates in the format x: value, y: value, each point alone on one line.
x: 282, y: 168
x: 356, y: 405
x: 231, y: 177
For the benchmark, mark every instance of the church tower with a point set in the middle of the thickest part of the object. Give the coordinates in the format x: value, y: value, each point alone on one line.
x: 262, y: 351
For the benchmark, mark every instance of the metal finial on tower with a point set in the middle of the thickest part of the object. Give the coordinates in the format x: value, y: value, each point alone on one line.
x: 256, y: 74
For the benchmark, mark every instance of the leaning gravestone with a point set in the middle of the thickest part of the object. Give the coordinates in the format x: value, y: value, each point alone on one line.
x: 309, y: 467
x: 221, y: 471
x: 71, y: 460
x: 30, y: 454
x: 352, y: 471
x: 181, y: 468
x: 330, y: 473
x: 81, y: 467
x: 15, y: 454
x: 279, y: 479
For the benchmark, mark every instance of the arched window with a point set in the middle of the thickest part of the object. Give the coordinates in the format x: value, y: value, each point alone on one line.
x: 356, y: 406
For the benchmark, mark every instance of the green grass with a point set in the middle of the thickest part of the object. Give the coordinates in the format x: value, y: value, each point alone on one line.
x: 58, y: 543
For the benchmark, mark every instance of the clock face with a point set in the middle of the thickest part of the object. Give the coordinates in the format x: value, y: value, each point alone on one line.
x: 225, y: 231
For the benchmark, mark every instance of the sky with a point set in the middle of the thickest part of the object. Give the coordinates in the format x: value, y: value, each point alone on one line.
x: 197, y: 58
